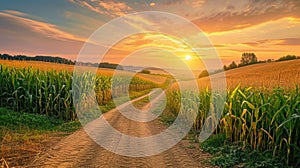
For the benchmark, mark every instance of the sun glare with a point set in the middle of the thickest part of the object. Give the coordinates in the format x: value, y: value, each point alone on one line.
x: 152, y: 4
x: 188, y: 57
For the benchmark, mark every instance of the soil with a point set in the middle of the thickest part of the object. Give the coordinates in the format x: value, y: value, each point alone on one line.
x: 79, y: 150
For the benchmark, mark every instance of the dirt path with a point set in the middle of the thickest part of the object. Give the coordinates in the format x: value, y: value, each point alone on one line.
x: 79, y: 150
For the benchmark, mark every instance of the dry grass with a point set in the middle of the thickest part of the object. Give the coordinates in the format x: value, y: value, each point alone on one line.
x: 46, y: 66
x: 3, y: 163
x: 267, y: 75
x: 37, y: 64
x: 21, y: 152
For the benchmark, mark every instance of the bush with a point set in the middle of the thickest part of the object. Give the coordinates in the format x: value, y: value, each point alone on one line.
x: 203, y: 74
x: 288, y: 57
x: 145, y: 71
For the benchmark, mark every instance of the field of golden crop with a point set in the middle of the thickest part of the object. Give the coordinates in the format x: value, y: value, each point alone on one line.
x: 267, y: 75
x: 265, y: 120
x: 37, y: 64
x: 263, y: 112
x: 63, y: 67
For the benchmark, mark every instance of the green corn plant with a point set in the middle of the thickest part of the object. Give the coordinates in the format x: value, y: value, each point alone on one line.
x: 267, y: 120
x: 50, y: 92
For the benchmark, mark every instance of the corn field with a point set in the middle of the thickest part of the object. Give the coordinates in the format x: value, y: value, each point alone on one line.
x: 50, y: 92
x: 266, y: 120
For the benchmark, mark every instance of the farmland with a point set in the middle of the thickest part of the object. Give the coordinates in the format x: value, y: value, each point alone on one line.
x: 45, y: 91
x: 265, y: 121
x: 268, y: 75
x: 261, y: 107
x: 47, y: 66
x: 49, y: 92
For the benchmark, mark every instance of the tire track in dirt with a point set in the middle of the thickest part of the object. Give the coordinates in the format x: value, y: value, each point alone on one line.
x: 79, y: 150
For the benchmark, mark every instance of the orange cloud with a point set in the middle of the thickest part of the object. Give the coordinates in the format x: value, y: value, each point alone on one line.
x: 236, y: 15
x: 117, y: 7
x: 110, y: 8
x: 284, y: 41
x: 290, y: 41
x: 85, y: 4
x: 17, y: 13
x: 197, y: 3
x: 255, y: 50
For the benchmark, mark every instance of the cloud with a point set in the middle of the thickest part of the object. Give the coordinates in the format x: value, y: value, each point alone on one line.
x: 290, y: 41
x: 109, y: 8
x: 17, y: 13
x: 115, y: 6
x: 27, y: 36
x: 210, y: 16
x: 279, y: 42
x: 256, y: 50
x: 262, y: 43
x: 81, y: 24
x: 275, y: 29
x: 192, y: 3
x: 47, y: 29
x: 242, y: 14
x: 271, y: 39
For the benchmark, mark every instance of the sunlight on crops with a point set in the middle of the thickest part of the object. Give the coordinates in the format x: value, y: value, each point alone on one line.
x: 267, y: 75
x: 46, y: 66
x: 50, y: 92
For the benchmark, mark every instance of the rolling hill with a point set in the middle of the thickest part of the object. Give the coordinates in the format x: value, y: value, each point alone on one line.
x: 268, y: 75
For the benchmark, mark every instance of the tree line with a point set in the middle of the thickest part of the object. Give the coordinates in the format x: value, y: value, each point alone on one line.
x: 37, y: 58
x: 250, y: 58
x: 247, y: 59
x: 58, y: 60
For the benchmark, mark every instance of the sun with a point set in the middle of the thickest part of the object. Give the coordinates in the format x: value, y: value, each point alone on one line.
x: 188, y: 57
x: 152, y: 4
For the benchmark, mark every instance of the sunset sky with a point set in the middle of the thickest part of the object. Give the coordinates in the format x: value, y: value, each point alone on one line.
x: 269, y: 28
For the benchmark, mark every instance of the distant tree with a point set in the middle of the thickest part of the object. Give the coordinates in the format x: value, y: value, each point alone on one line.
x: 232, y: 65
x: 203, y: 74
x: 6, y: 57
x: 145, y: 71
x: 108, y: 65
x: 217, y: 71
x: 225, y: 68
x: 37, y: 58
x: 288, y: 57
x: 248, y: 58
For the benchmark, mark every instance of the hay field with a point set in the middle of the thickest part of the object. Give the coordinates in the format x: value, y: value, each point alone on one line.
x: 266, y: 75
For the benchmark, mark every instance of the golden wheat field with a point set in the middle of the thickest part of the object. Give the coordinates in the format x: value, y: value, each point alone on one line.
x: 266, y: 75
x: 45, y: 66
